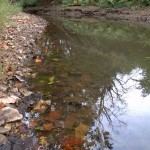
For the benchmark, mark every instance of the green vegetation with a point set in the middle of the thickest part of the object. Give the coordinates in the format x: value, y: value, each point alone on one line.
x: 25, y: 3
x: 108, y: 3
x: 109, y: 30
x: 7, y: 9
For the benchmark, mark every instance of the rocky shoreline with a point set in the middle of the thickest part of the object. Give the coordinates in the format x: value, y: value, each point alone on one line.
x: 17, y: 48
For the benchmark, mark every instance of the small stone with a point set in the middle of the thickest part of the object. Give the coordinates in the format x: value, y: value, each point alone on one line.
x: 3, y: 130
x: 25, y: 92
x: 7, y: 126
x: 3, y: 139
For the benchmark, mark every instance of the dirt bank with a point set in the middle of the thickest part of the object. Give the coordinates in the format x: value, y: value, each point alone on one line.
x: 136, y: 15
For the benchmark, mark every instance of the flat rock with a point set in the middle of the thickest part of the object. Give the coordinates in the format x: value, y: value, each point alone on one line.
x: 25, y: 92
x: 3, y: 139
x: 3, y: 130
x: 8, y: 114
x: 9, y: 99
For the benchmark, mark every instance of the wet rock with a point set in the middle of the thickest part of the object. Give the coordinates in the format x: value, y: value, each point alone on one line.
x: 3, y: 139
x: 8, y: 127
x: 8, y: 114
x: 3, y: 130
x: 25, y: 92
x: 10, y: 99
x: 42, y: 105
x: 20, y: 78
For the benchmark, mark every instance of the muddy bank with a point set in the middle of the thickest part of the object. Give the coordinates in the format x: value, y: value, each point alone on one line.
x: 17, y: 48
x: 136, y: 15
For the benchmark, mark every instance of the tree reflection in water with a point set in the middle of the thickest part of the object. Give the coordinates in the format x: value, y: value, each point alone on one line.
x: 98, y: 74
x: 110, y: 108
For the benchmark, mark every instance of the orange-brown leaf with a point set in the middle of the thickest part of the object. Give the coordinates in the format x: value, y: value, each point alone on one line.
x: 1, y: 105
x: 71, y: 142
x: 38, y: 60
x: 5, y: 46
x: 81, y: 130
x: 18, y: 84
x: 48, y: 127
x: 54, y: 115
x: 32, y: 124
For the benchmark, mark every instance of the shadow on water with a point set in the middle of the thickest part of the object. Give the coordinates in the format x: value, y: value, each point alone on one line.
x: 97, y: 76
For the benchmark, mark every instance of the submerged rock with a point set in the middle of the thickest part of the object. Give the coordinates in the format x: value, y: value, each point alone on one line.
x: 42, y: 106
x: 8, y: 114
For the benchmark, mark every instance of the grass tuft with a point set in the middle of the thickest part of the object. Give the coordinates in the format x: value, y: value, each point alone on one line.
x: 7, y: 8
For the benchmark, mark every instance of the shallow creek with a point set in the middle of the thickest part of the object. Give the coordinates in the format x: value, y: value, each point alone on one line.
x: 97, y: 76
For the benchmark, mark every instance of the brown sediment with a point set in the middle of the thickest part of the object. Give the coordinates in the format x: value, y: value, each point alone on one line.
x: 134, y: 14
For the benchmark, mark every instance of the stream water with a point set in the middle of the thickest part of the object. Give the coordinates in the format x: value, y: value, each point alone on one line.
x: 97, y: 76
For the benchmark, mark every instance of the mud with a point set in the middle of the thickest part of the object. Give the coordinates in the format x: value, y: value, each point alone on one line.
x: 133, y: 15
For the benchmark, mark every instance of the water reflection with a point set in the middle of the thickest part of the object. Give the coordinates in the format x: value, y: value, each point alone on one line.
x: 98, y: 78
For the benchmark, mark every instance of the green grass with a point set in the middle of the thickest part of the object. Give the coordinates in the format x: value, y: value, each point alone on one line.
x: 6, y: 10
x: 25, y: 3
x: 108, y: 3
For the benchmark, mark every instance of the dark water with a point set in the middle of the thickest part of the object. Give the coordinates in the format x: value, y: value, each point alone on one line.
x: 97, y: 75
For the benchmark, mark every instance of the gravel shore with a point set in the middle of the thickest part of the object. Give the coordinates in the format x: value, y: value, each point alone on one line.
x: 17, y: 48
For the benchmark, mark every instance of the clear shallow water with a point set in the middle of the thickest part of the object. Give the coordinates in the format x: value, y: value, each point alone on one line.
x: 97, y: 75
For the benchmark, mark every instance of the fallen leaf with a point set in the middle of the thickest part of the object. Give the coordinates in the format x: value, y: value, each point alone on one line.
x: 38, y: 60
x: 58, y: 124
x: 81, y: 130
x: 71, y: 142
x: 18, y: 84
x: 42, y: 105
x: 5, y: 46
x: 23, y: 128
x: 48, y: 126
x: 54, y: 115
x: 70, y: 121
x: 1, y: 105
x: 43, y: 140
x: 51, y: 80
x: 55, y: 60
x: 32, y: 124
x: 39, y: 128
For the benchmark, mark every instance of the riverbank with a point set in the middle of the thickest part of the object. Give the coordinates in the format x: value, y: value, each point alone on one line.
x: 122, y: 14
x: 17, y: 48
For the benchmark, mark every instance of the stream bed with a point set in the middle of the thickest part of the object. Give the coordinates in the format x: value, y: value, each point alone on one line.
x: 97, y: 76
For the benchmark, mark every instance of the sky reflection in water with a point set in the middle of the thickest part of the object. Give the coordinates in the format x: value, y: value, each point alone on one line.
x: 107, y: 65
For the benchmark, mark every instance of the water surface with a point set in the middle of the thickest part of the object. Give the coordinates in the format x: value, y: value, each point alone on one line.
x: 97, y: 74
